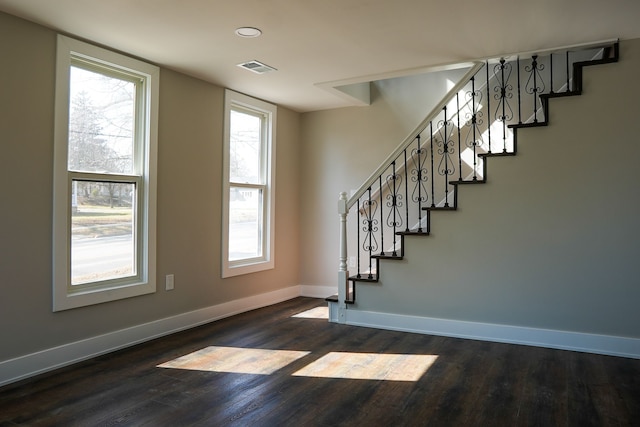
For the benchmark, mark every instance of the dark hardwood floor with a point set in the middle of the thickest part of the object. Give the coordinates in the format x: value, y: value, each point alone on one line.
x: 469, y: 383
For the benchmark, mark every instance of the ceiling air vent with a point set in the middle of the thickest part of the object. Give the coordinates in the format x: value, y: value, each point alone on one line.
x: 256, y: 67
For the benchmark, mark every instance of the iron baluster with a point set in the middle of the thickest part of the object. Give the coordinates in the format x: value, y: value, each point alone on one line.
x: 534, y: 65
x: 381, y: 219
x: 370, y: 227
x: 519, y: 92
x: 532, y: 86
x: 419, y: 175
x: 445, y: 151
x: 551, y: 72
x: 358, y: 237
x: 502, y: 97
x: 369, y: 247
x: 488, y: 107
x: 459, y: 150
x: 406, y: 190
x: 394, y: 219
x: 433, y: 181
x: 474, y: 121
x: 446, y: 167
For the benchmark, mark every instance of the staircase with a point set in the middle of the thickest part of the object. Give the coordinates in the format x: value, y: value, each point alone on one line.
x: 479, y: 118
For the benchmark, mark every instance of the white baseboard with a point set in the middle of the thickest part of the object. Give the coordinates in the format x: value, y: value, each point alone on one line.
x: 46, y: 360
x: 564, y: 340
x: 317, y: 291
x: 52, y: 358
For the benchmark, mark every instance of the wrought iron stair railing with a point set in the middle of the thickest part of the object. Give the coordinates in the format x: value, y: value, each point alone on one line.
x: 477, y: 119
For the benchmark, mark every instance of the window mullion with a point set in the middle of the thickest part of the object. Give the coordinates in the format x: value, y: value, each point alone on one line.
x: 247, y: 185
x: 103, y: 177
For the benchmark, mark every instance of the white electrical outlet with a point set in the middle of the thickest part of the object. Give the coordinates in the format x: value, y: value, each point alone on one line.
x: 169, y: 282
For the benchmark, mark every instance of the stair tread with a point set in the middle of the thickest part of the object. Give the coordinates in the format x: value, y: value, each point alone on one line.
x: 412, y: 233
x: 440, y: 208
x: 380, y: 256
x: 528, y: 125
x: 363, y: 279
x: 332, y: 298
x: 477, y: 181
x: 561, y: 94
x: 595, y: 62
x: 500, y: 154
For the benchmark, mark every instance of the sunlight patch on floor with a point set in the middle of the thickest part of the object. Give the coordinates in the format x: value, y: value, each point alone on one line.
x: 236, y: 360
x: 314, y: 313
x: 369, y: 366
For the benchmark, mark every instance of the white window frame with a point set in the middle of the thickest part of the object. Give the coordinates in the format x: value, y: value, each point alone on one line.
x: 234, y: 100
x: 144, y: 282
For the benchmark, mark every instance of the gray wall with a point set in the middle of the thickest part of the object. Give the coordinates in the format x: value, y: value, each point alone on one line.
x: 189, y: 196
x: 342, y: 147
x: 563, y: 256
x: 552, y: 241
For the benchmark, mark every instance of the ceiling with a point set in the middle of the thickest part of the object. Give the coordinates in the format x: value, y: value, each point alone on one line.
x: 317, y: 45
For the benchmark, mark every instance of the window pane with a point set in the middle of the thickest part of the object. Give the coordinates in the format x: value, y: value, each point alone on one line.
x: 244, y: 148
x: 101, y: 122
x: 245, y: 223
x: 102, y: 231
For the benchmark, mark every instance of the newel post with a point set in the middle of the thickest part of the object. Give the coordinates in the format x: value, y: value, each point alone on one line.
x: 343, y: 274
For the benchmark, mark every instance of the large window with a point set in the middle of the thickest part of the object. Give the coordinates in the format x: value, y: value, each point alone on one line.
x: 104, y: 176
x: 248, y: 198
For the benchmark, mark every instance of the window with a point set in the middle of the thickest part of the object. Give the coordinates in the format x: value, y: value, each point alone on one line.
x: 248, y: 195
x: 104, y: 176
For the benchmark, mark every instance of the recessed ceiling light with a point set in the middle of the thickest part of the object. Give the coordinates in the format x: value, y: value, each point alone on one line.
x: 248, y: 32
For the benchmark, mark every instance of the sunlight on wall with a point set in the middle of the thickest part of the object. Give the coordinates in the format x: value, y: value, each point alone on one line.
x: 369, y: 366
x: 236, y: 360
x: 468, y: 157
x: 497, y: 143
x: 450, y: 84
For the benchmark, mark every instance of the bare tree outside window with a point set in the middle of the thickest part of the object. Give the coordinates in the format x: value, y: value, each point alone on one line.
x: 101, y: 120
x: 245, y: 204
x: 104, y: 175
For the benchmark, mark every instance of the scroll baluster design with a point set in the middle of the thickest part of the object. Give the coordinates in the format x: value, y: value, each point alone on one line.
x: 419, y: 176
x: 406, y: 190
x: 446, y: 148
x: 504, y: 112
x: 358, y: 275
x: 381, y: 217
x: 551, y: 72
x: 535, y: 84
x: 394, y: 203
x: 488, y: 107
x: 519, y: 92
x: 433, y: 181
x: 473, y: 122
x: 459, y: 137
x: 370, y: 227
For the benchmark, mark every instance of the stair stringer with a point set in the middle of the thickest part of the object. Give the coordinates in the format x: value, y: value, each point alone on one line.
x: 536, y: 262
